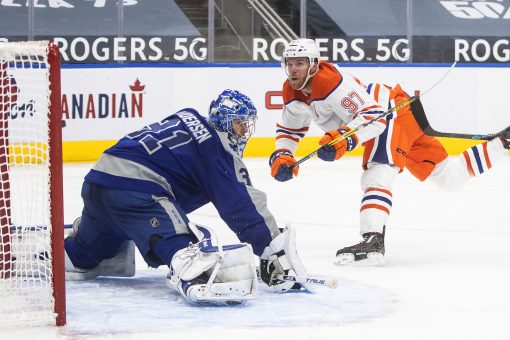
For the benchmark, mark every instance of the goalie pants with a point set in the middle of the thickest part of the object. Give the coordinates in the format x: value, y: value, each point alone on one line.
x: 404, y: 145
x: 157, y: 225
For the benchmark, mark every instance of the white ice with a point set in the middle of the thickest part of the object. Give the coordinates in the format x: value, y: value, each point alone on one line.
x: 447, y: 274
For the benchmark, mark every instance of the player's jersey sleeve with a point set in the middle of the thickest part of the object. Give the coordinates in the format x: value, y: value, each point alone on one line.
x: 380, y: 95
x: 295, y: 120
x: 242, y: 207
x: 352, y: 104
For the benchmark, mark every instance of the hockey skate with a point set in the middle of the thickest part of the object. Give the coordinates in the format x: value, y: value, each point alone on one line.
x: 370, y: 251
x: 505, y: 138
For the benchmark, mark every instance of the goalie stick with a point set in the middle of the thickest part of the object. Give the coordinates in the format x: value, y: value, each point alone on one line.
x: 314, y: 280
x: 317, y: 280
x: 423, y: 122
x: 368, y: 122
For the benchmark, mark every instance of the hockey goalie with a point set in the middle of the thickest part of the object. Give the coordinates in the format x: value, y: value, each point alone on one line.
x: 140, y: 191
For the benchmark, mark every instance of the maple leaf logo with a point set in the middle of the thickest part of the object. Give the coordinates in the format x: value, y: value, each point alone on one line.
x: 137, y: 86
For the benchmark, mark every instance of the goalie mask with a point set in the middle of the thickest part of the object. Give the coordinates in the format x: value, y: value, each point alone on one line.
x: 302, y: 48
x: 235, y: 113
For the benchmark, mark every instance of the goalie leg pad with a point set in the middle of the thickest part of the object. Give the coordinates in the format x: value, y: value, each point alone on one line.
x: 205, y: 273
x: 121, y: 265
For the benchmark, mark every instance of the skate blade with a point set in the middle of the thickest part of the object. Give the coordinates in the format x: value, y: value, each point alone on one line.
x: 373, y: 260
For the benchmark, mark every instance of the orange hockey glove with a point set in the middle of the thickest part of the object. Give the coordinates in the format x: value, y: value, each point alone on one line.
x: 333, y: 152
x: 280, y: 162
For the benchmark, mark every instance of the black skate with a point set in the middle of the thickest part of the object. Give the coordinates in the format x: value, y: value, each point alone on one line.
x: 370, y: 251
x: 505, y: 138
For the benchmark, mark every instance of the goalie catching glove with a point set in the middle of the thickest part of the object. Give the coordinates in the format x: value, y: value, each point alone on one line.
x: 209, y: 273
x: 281, y: 258
x: 280, y: 162
x: 335, y: 151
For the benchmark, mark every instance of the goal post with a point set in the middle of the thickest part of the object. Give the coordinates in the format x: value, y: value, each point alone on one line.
x: 57, y: 188
x: 32, y: 275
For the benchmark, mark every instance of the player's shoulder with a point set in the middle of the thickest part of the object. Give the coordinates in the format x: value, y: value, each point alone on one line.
x: 290, y: 95
x: 326, y: 80
x: 189, y: 112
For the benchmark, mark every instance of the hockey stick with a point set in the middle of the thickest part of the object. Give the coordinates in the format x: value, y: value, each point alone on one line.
x: 314, y: 280
x: 368, y: 122
x: 423, y: 122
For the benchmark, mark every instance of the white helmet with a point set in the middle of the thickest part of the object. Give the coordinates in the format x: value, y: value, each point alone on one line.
x: 302, y: 48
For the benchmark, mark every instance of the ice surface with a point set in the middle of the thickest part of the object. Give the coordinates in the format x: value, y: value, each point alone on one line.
x: 447, y: 274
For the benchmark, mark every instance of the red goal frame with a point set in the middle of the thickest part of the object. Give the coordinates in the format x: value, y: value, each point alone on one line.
x: 56, y: 181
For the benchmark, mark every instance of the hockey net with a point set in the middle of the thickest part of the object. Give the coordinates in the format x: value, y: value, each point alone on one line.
x: 32, y: 287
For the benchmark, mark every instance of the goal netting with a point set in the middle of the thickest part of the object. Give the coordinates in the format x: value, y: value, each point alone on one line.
x: 31, y: 210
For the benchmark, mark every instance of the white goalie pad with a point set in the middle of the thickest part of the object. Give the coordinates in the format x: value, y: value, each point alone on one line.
x: 121, y: 265
x: 211, y: 273
x: 281, y: 258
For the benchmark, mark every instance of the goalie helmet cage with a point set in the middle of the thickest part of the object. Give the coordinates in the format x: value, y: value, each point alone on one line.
x: 32, y: 277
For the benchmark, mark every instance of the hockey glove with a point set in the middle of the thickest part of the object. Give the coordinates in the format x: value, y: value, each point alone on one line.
x: 333, y: 152
x: 280, y: 257
x: 280, y: 162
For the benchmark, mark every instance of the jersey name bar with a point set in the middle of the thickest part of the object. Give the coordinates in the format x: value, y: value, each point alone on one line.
x: 198, y: 129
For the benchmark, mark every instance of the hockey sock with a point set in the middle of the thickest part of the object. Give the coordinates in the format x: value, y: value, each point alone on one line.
x: 375, y: 209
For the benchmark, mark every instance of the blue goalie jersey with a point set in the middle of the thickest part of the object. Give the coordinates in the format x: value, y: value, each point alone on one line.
x: 186, y: 159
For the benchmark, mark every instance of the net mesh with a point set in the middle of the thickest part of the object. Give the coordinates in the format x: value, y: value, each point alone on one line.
x: 26, y: 292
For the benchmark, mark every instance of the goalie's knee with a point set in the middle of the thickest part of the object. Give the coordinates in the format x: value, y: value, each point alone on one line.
x: 122, y: 264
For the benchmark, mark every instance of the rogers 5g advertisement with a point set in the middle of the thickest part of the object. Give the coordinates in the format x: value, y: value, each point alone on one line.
x: 160, y: 31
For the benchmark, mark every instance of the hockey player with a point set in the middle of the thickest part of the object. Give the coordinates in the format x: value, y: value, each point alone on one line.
x: 140, y: 190
x: 338, y: 102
